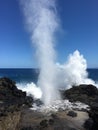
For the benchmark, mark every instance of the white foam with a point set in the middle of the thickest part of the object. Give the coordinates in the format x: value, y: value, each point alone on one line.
x: 60, y: 105
x: 31, y: 89
x: 73, y: 72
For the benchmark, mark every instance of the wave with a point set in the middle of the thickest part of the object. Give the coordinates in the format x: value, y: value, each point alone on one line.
x: 31, y: 89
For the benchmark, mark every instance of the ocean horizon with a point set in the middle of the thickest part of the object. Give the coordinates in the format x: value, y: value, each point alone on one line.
x: 28, y: 75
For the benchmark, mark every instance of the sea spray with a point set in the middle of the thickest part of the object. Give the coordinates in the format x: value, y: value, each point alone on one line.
x: 73, y: 71
x: 41, y: 17
x: 42, y: 22
x: 31, y: 89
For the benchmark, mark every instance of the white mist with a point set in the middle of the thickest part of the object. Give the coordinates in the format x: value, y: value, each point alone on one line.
x: 42, y: 20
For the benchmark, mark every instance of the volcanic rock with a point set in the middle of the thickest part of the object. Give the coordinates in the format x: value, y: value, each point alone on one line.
x: 51, y: 121
x: 93, y: 114
x: 72, y: 114
x: 12, y: 100
x: 72, y: 129
x: 89, y: 124
x: 87, y: 94
x: 27, y: 128
x: 44, y: 123
x: 83, y: 93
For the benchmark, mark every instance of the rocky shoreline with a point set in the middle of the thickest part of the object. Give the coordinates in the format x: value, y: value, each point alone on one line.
x: 15, y: 112
x: 87, y: 94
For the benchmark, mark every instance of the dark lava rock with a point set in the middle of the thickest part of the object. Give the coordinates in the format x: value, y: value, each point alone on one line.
x: 27, y: 128
x: 51, y: 121
x: 28, y: 101
x: 72, y: 129
x: 44, y: 123
x: 38, y: 102
x: 11, y: 98
x: 93, y: 114
x: 54, y: 116
x: 88, y: 124
x: 72, y: 114
x: 87, y: 94
x: 83, y: 93
x: 12, y: 102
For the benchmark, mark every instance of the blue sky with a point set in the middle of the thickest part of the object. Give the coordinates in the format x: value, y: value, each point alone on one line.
x: 79, y: 22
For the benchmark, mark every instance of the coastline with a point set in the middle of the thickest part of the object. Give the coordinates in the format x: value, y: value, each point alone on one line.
x: 16, y: 114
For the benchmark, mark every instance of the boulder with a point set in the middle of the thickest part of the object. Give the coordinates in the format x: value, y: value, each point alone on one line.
x: 72, y: 114
x: 51, y: 121
x: 44, y: 123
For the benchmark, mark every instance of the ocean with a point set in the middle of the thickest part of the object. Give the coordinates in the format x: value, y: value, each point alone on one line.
x: 20, y: 75
x: 31, y: 75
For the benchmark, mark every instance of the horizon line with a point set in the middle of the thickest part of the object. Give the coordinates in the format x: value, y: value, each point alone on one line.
x: 37, y: 68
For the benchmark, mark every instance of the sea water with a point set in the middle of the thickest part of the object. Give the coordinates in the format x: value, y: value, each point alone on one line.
x: 20, y: 75
x: 31, y: 75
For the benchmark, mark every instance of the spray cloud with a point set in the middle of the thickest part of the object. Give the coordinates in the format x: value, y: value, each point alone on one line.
x: 42, y: 20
